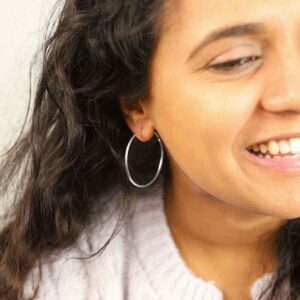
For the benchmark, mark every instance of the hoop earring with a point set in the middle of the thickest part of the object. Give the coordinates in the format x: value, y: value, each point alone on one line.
x: 159, y: 166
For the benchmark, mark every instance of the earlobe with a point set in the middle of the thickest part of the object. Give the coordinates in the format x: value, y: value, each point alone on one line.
x: 147, y: 131
x: 143, y: 128
x: 137, y: 120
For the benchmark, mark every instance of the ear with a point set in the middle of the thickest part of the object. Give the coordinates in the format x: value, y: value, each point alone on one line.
x: 137, y: 119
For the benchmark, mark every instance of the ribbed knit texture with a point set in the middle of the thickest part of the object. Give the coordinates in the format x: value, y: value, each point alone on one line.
x: 142, y: 262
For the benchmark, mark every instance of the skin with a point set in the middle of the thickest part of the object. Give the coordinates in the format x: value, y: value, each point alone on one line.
x: 221, y: 208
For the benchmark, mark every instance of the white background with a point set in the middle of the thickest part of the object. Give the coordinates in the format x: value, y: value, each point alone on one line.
x: 22, y: 26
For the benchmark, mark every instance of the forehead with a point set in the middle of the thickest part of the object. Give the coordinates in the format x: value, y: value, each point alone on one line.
x: 188, y: 23
x: 203, y: 15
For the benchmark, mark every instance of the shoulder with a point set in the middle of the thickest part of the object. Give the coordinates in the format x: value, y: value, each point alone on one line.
x: 70, y: 274
x: 117, y: 270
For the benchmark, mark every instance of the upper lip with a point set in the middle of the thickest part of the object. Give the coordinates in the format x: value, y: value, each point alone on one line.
x: 282, y: 136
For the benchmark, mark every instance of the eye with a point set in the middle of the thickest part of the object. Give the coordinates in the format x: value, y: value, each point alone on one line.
x: 233, y: 64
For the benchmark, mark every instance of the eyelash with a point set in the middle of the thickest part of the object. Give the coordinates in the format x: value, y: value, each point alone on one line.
x: 233, y: 64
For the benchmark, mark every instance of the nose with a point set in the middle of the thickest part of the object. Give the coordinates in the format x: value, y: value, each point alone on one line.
x: 282, y: 83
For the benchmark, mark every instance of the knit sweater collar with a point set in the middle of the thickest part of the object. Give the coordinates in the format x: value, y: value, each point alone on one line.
x: 161, y: 261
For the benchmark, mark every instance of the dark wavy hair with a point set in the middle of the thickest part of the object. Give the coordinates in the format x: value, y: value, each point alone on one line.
x: 73, y: 151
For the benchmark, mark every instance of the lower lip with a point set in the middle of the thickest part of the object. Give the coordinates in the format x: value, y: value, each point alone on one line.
x: 285, y: 165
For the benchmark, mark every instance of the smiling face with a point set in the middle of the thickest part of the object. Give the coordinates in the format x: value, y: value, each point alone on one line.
x: 207, y: 115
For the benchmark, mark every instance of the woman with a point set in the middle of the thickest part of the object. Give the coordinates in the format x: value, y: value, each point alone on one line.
x: 161, y: 161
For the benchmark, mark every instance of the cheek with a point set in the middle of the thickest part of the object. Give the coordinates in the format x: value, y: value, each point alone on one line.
x: 201, y: 128
x: 200, y: 121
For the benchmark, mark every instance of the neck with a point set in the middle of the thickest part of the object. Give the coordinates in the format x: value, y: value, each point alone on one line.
x: 213, y: 235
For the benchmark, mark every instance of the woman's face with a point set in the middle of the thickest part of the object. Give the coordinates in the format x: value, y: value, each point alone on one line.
x: 206, y: 116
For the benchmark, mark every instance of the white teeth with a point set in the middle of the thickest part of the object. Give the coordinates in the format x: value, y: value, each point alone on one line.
x: 284, y: 147
x: 295, y: 145
x: 273, y: 148
x: 263, y: 148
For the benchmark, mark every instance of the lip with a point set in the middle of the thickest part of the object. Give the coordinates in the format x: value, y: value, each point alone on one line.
x: 283, y: 136
x: 287, y: 165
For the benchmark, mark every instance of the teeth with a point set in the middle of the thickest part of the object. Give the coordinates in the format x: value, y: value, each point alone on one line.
x: 291, y: 146
x: 295, y: 145
x: 284, y: 147
x: 255, y: 148
x: 263, y: 148
x: 273, y: 148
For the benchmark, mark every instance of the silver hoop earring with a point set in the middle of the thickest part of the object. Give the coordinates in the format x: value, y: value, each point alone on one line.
x: 159, y: 166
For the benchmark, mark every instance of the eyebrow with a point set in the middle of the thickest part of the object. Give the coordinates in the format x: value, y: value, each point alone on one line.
x: 229, y: 31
